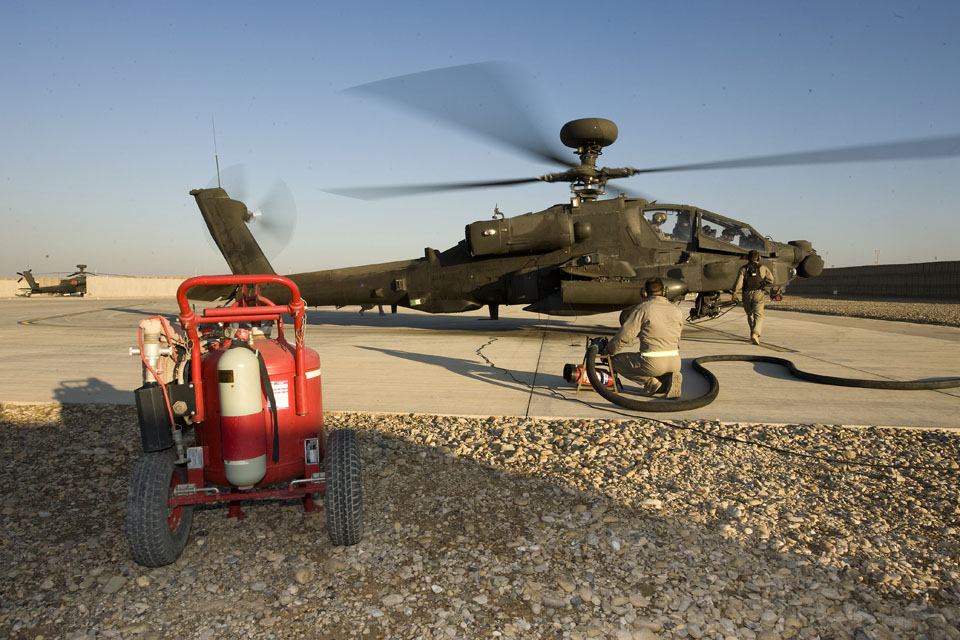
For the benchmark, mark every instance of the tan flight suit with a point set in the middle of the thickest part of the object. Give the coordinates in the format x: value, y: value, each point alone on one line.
x: 655, y: 325
x: 753, y: 299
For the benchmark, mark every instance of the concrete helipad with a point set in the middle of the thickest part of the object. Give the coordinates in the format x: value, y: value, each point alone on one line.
x: 75, y: 350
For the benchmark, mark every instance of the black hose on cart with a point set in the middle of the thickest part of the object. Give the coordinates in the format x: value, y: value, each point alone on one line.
x: 664, y: 406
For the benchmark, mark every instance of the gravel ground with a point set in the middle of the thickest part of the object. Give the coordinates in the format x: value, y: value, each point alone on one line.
x: 920, y: 311
x: 502, y: 527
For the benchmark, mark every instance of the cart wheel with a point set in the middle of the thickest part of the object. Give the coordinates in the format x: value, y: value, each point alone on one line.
x: 343, y: 499
x: 157, y: 534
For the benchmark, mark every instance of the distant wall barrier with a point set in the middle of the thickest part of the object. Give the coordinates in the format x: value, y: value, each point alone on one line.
x: 106, y: 287
x: 915, y: 280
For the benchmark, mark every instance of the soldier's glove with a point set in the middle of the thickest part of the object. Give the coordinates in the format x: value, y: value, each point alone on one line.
x: 600, y: 344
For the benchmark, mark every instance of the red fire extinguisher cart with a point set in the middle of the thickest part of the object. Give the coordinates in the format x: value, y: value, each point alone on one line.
x: 228, y: 413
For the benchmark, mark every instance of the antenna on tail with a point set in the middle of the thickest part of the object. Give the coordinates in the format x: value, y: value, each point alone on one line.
x: 216, y: 157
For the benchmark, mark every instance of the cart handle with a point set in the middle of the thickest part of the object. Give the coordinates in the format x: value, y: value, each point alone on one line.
x: 296, y: 302
x: 190, y: 320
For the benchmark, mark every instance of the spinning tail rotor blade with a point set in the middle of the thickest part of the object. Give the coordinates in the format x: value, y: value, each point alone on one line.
x: 277, y: 216
x: 233, y: 179
x: 274, y: 216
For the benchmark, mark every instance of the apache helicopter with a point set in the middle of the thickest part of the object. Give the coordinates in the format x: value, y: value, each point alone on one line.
x: 75, y: 283
x: 586, y: 256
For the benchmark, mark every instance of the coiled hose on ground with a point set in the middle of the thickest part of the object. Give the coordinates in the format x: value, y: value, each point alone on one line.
x: 663, y: 406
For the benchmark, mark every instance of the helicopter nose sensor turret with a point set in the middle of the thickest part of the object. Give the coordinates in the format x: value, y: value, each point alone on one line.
x: 810, y: 267
x: 809, y: 264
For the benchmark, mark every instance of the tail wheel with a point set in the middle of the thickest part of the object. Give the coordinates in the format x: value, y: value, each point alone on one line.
x: 156, y: 532
x: 343, y: 500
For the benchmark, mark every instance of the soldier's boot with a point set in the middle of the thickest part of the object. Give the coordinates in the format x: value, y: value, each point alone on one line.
x: 754, y: 338
x: 670, y: 384
x: 652, y: 386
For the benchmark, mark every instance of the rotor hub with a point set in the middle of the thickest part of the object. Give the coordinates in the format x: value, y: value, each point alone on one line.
x: 588, y: 136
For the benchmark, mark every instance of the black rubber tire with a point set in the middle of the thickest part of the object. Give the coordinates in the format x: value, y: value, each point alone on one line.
x: 343, y: 499
x: 156, y: 533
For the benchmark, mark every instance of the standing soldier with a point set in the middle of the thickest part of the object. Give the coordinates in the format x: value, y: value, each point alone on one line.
x: 656, y: 324
x: 752, y: 279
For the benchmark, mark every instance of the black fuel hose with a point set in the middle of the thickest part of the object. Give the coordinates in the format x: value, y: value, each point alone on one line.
x: 663, y: 406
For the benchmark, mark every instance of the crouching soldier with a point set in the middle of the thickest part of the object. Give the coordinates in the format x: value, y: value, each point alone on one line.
x: 653, y: 327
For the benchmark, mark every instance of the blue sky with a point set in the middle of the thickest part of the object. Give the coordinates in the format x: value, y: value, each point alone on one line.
x: 105, y: 124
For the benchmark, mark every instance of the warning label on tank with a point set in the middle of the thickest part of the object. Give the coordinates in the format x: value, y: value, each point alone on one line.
x: 281, y: 391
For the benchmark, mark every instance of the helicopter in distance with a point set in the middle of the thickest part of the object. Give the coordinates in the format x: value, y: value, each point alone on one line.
x: 585, y: 256
x: 73, y: 284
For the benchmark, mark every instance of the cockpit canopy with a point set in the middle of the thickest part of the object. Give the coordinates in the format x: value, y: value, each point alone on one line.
x: 709, y: 230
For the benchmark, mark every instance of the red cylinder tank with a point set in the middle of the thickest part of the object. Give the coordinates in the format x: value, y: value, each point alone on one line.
x: 293, y: 429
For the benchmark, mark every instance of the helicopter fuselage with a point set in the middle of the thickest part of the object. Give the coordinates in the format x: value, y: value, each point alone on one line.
x: 584, y: 257
x: 566, y: 260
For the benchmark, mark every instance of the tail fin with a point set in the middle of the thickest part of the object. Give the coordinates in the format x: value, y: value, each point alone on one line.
x: 28, y: 276
x: 226, y: 219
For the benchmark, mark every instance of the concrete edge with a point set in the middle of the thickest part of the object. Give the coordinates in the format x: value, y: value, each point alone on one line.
x: 17, y: 403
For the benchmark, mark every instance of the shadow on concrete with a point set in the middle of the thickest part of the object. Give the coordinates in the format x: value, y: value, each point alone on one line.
x: 513, y: 380
x: 554, y: 385
x: 90, y: 391
x: 451, y: 322
x: 466, y: 323
x: 764, y: 369
x: 172, y: 317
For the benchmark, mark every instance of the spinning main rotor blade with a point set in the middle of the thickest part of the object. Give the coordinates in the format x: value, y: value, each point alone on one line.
x: 375, y: 193
x: 941, y: 147
x: 487, y: 98
x: 630, y: 193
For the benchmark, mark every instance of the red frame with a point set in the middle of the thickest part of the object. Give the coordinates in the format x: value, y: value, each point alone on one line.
x: 299, y: 491
x: 190, y: 321
x: 237, y: 313
x: 195, y: 476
